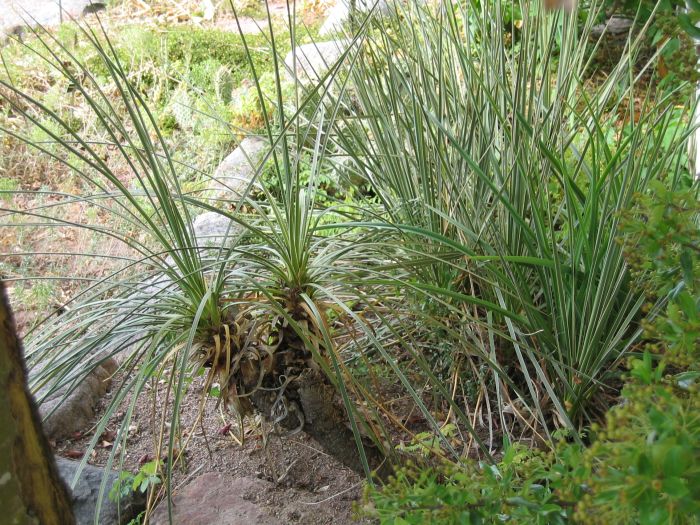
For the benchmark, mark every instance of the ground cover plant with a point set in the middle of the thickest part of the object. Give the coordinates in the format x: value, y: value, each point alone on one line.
x: 463, y: 217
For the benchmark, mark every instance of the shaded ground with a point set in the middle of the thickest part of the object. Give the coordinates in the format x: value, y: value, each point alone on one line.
x: 306, y: 485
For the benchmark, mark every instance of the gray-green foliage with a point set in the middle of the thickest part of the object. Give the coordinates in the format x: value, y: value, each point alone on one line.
x: 491, y: 237
x: 168, y: 307
x: 497, y: 163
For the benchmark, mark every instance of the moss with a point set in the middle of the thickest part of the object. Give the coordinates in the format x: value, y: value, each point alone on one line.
x: 206, y: 46
x: 7, y: 186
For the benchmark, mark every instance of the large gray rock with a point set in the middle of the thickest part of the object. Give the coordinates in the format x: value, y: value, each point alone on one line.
x: 338, y: 16
x: 212, y: 229
x: 233, y: 175
x: 84, y: 496
x: 216, y: 499
x: 615, y: 26
x: 310, y: 62
x: 66, y: 414
x: 17, y: 14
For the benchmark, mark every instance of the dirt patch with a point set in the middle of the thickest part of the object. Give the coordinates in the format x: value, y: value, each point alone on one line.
x: 306, y: 484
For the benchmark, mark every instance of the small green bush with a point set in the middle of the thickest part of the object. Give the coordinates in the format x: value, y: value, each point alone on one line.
x: 204, y: 46
x: 514, y: 490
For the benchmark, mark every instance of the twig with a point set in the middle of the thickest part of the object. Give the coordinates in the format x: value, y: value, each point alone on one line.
x: 310, y: 447
x: 189, y: 477
x: 206, y: 440
x: 284, y: 474
x: 333, y: 496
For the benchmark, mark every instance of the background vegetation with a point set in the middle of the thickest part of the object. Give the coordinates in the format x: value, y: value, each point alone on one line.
x: 470, y: 206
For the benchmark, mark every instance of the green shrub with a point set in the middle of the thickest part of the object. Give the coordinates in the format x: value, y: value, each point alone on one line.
x: 662, y: 238
x: 514, y: 490
x: 643, y: 462
x: 200, y: 46
x: 641, y: 468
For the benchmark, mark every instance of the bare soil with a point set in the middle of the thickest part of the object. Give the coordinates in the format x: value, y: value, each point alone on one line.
x: 308, y: 485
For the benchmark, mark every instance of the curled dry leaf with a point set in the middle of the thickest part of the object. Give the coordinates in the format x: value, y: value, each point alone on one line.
x: 225, y: 429
x: 108, y: 435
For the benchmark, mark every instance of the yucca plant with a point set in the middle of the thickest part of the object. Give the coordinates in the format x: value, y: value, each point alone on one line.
x: 508, y: 161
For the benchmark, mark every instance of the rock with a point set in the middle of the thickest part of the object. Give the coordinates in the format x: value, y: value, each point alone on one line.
x: 217, y: 499
x: 17, y: 14
x: 85, y: 494
x: 212, y: 229
x: 160, y: 284
x: 66, y: 414
x: 336, y: 17
x: 313, y: 60
x: 339, y: 15
x: 235, y: 172
x: 615, y: 26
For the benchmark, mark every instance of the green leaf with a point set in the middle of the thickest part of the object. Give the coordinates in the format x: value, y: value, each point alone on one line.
x: 522, y: 502
x: 687, y: 260
x: 644, y: 466
x: 675, y: 488
x: 687, y: 25
x: 676, y: 461
x: 143, y: 487
x: 688, y: 305
x: 653, y: 515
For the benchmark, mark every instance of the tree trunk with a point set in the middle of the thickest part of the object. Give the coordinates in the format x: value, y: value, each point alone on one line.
x: 31, y: 491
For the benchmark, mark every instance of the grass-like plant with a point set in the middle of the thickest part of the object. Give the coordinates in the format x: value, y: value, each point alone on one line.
x: 508, y: 161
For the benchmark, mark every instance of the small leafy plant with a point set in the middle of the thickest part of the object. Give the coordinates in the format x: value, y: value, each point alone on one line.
x: 514, y: 490
x: 146, y: 477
